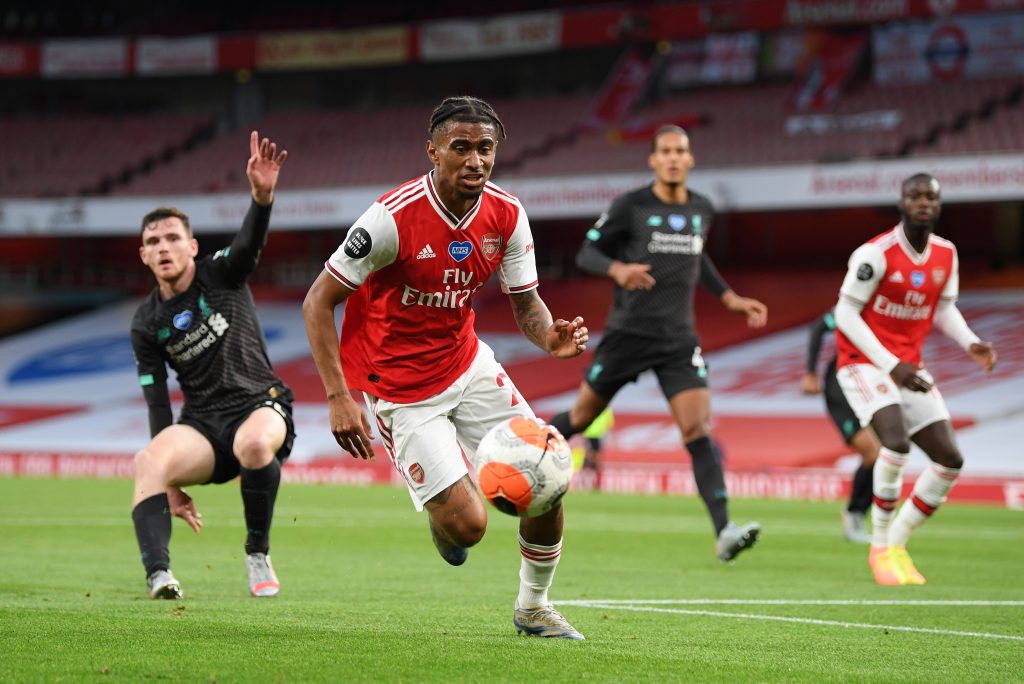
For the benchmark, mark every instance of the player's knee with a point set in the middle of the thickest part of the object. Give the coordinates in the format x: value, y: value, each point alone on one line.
x: 899, y: 444
x: 467, y: 531
x: 694, y: 430
x: 949, y: 457
x: 253, y: 450
x: 580, y: 417
x: 147, y: 465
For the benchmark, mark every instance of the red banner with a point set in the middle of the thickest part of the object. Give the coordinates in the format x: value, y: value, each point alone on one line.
x: 620, y: 92
x: 19, y: 59
x: 824, y: 69
x: 596, y: 27
x: 236, y: 53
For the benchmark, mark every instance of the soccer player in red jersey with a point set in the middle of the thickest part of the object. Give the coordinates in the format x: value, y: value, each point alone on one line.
x: 408, y: 271
x: 899, y: 284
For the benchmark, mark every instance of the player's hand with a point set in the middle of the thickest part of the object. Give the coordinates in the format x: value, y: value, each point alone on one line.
x: 263, y: 167
x: 907, y: 375
x: 984, y: 354
x: 566, y: 339
x: 350, y: 426
x: 182, y: 505
x: 809, y: 384
x: 631, y: 277
x: 754, y: 311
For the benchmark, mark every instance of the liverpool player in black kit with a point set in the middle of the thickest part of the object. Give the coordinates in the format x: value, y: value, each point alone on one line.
x: 237, y: 419
x: 651, y: 243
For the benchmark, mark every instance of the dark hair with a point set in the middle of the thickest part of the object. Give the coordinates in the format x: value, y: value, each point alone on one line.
x: 465, y: 109
x: 162, y: 213
x: 667, y: 128
x: 917, y: 177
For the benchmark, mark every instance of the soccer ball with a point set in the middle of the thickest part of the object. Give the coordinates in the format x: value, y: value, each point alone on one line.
x: 524, y: 466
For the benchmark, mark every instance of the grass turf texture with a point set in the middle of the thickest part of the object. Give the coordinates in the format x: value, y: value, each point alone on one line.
x: 365, y: 596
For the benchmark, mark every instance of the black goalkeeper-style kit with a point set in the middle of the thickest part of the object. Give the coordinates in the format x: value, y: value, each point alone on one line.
x: 839, y: 410
x: 211, y: 337
x: 652, y: 329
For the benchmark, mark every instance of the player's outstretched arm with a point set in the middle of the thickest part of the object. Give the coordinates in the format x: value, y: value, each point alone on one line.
x: 182, y: 505
x: 753, y: 310
x: 562, y: 339
x: 348, y: 422
x: 263, y: 168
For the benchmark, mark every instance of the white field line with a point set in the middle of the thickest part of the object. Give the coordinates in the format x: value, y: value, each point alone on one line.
x: 806, y: 621
x: 782, y: 602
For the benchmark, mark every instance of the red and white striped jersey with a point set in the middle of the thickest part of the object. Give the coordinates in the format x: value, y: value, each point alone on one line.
x: 899, y: 291
x: 415, y: 268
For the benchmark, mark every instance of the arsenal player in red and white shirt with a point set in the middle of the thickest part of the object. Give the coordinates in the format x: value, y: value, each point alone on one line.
x: 408, y: 271
x: 899, y: 284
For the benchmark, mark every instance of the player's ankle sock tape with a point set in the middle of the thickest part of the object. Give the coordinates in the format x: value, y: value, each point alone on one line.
x: 152, y: 519
x: 707, y: 471
x: 259, y: 492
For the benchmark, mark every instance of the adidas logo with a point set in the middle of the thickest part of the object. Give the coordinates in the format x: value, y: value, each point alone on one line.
x: 896, y: 277
x: 426, y: 253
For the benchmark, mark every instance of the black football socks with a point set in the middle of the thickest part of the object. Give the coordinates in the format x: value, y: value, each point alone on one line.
x: 707, y: 471
x: 861, y: 495
x: 561, y: 422
x: 152, y: 518
x: 259, y: 492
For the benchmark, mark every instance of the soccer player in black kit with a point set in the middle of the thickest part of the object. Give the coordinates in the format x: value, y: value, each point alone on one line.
x: 863, y: 439
x: 651, y: 243
x: 237, y: 417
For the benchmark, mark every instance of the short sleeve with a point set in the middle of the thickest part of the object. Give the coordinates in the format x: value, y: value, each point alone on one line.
x: 864, y: 271
x: 518, y: 269
x: 370, y: 245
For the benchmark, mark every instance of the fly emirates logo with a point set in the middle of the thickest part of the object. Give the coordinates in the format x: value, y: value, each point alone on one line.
x: 913, y: 307
x: 455, y: 295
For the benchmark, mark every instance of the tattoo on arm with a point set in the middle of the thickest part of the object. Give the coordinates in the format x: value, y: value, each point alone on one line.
x: 532, y: 316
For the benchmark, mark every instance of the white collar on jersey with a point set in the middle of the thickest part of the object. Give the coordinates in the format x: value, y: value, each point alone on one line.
x: 442, y: 211
x: 915, y: 256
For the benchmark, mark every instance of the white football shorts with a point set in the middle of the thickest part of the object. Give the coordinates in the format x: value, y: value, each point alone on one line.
x: 869, y: 389
x: 426, y: 439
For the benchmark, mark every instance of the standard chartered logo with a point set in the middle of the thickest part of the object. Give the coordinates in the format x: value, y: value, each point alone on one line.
x: 665, y: 243
x: 218, y: 323
x: 199, y: 340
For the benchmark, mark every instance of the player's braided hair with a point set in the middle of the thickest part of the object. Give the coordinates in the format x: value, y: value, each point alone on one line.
x: 465, y: 109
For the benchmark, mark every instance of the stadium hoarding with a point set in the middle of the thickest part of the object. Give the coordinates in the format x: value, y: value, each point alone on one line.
x: 19, y: 59
x: 510, y: 34
x: 159, y: 56
x: 332, y: 49
x: 992, y: 178
x: 981, y: 46
x: 86, y: 58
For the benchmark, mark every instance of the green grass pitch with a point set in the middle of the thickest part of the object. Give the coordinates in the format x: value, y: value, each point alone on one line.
x: 365, y: 597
